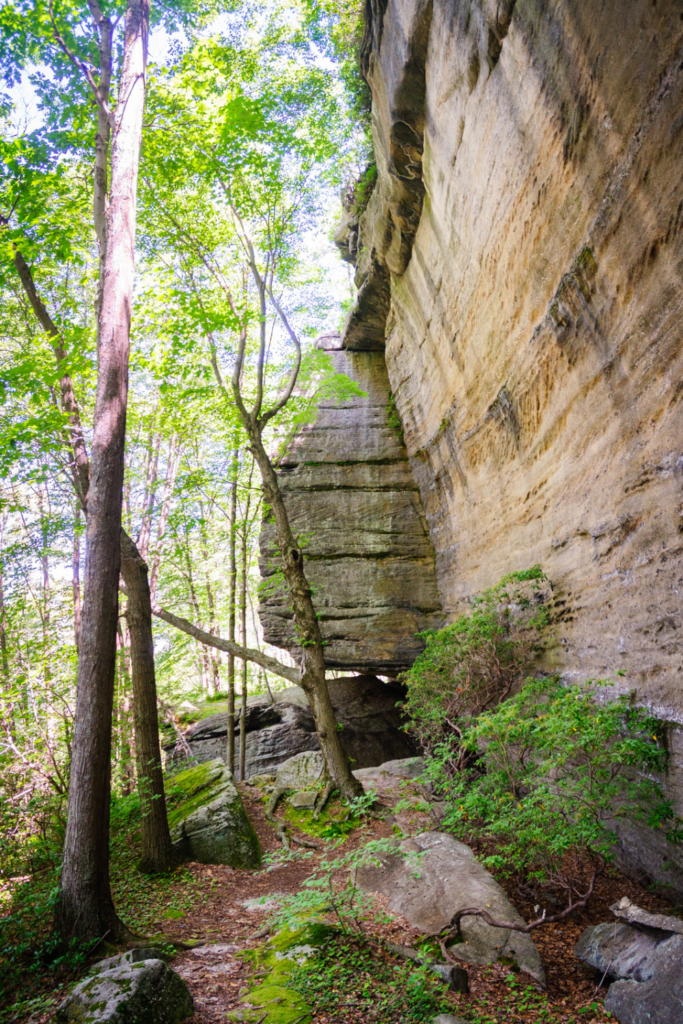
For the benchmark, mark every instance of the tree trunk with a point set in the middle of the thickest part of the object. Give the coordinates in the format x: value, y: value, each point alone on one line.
x: 312, y: 680
x: 76, y: 577
x: 86, y: 909
x: 243, y: 638
x: 157, y: 851
x: 232, y: 594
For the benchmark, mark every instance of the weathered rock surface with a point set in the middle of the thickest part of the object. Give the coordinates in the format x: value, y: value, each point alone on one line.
x: 210, y: 824
x: 274, y: 733
x: 128, y: 989
x: 366, y: 709
x: 433, y: 876
x: 349, y: 490
x: 526, y: 234
x: 303, y: 771
x: 646, y: 957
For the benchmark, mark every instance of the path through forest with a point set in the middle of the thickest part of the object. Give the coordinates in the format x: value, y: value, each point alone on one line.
x: 216, y: 974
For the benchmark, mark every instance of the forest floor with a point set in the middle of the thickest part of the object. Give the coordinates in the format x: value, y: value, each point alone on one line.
x: 214, y: 908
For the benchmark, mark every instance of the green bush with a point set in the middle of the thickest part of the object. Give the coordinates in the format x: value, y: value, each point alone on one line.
x: 552, y: 772
x: 474, y: 663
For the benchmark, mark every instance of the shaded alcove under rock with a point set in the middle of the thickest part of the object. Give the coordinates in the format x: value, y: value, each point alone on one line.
x: 366, y: 709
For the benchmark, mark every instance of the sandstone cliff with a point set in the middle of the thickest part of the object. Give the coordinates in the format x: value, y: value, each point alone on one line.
x: 354, y: 504
x: 523, y: 251
x: 520, y: 267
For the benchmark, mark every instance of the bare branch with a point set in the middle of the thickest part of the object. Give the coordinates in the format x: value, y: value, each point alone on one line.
x: 287, y: 393
x: 271, y: 664
x: 81, y: 66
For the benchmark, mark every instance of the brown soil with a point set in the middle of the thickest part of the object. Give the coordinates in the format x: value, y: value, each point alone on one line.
x: 572, y: 986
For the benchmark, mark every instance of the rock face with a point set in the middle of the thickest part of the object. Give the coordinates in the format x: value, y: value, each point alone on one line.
x: 135, y: 988
x: 524, y: 243
x: 350, y: 492
x: 645, y: 957
x: 366, y: 710
x: 433, y: 877
x: 210, y: 824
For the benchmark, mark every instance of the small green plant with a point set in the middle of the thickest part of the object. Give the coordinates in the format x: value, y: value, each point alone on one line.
x: 347, y: 974
x: 475, y: 662
x: 394, y: 419
x: 322, y: 893
x: 551, y: 773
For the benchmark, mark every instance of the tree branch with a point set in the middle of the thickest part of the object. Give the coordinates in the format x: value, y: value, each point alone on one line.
x: 271, y: 664
x: 287, y: 393
x: 81, y: 66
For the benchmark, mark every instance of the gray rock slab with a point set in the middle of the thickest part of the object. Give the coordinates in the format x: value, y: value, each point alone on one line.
x: 366, y: 707
x: 301, y: 771
x: 129, y: 991
x: 657, y: 1001
x: 304, y: 800
x: 430, y: 878
x: 210, y: 824
x: 632, y: 914
x: 402, y: 768
x: 619, y: 950
x: 448, y: 1018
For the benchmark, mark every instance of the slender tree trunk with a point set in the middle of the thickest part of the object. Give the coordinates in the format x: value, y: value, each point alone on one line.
x: 157, y: 850
x: 150, y: 492
x: 203, y: 661
x: 128, y: 781
x: 243, y: 626
x: 86, y: 907
x: 214, y: 629
x: 4, y: 657
x: 313, y: 680
x: 76, y: 576
x: 169, y: 484
x: 232, y: 594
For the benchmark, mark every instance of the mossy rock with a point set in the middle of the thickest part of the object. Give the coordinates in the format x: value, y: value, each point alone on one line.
x: 285, y: 951
x: 208, y: 822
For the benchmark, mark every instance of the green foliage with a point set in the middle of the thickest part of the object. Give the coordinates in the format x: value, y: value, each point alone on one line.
x: 346, y: 973
x: 394, y: 418
x: 323, y: 893
x: 363, y: 189
x: 473, y: 663
x: 552, y: 772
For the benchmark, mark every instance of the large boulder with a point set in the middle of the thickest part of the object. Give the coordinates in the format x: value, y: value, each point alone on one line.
x: 366, y: 708
x: 432, y: 876
x: 644, y: 952
x: 134, y: 988
x: 209, y: 824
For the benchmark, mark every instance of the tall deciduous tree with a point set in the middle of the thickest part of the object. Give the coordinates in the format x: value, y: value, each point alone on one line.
x: 86, y: 906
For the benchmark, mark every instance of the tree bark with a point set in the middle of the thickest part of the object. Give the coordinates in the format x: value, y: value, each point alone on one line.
x: 232, y: 593
x: 312, y: 680
x: 76, y: 577
x: 86, y: 908
x: 157, y: 850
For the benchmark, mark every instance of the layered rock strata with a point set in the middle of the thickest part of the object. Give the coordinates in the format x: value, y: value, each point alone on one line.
x: 355, y: 506
x: 533, y: 318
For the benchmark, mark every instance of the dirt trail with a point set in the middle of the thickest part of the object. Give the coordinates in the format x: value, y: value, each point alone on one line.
x: 226, y: 923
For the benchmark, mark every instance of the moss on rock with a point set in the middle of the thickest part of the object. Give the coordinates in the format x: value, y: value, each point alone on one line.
x: 209, y: 823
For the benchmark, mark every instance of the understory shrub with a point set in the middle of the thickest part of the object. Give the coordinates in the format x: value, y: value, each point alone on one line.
x: 551, y: 772
x: 475, y: 662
